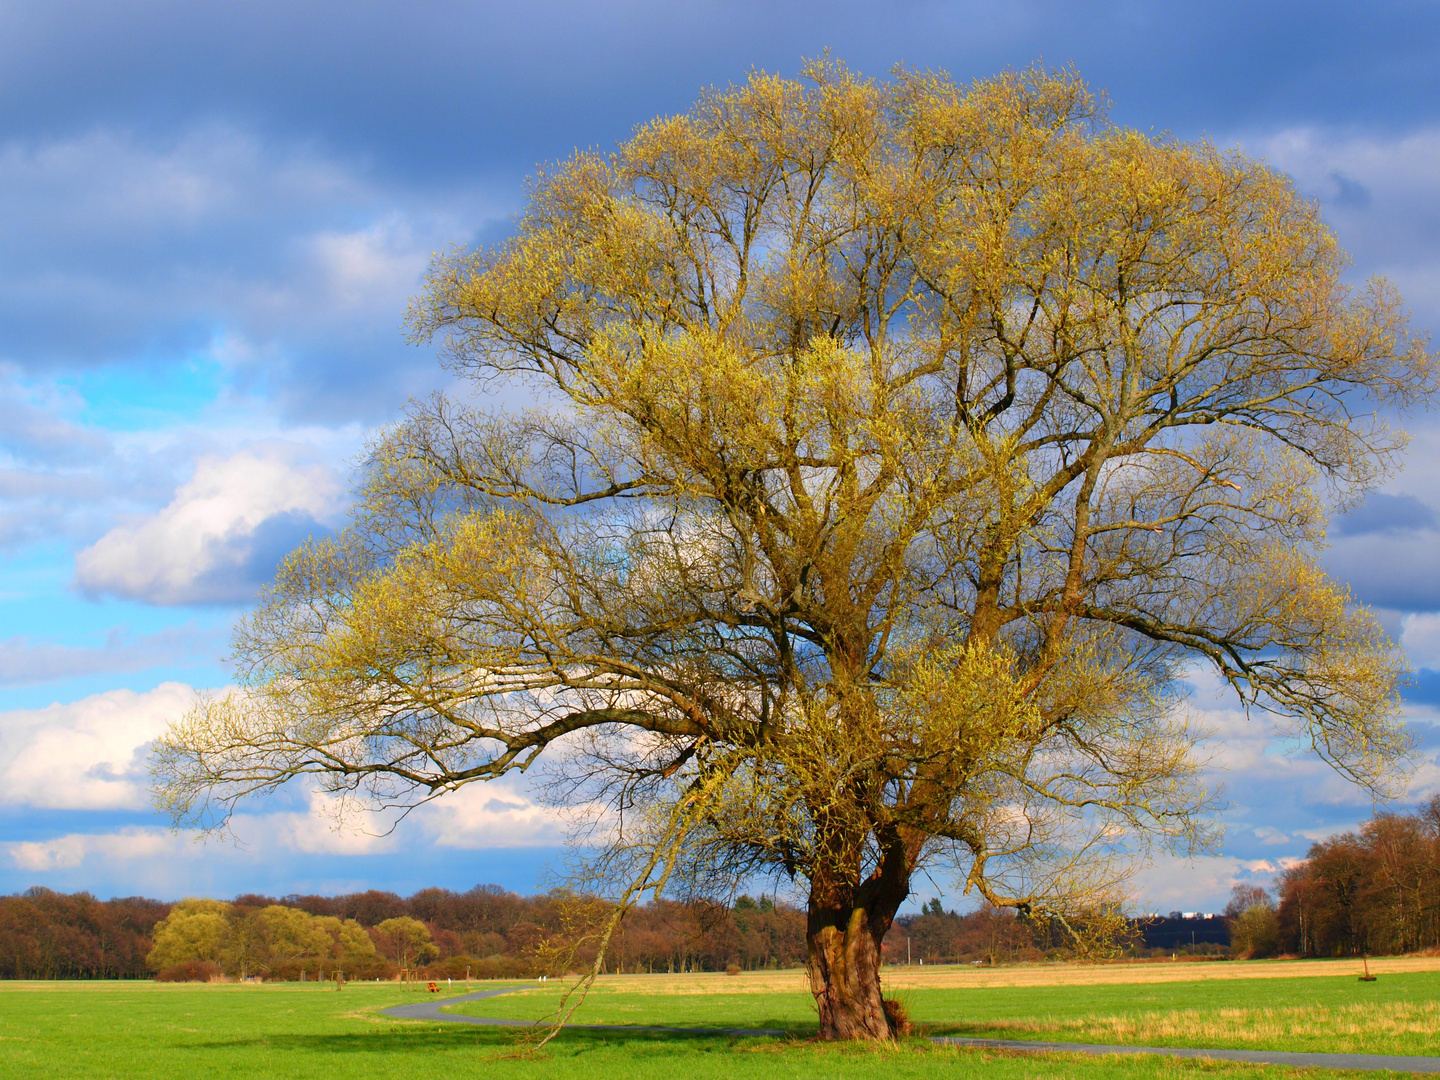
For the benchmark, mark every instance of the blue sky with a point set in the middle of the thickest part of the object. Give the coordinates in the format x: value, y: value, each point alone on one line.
x: 215, y: 214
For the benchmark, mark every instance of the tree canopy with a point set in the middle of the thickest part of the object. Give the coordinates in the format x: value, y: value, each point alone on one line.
x: 894, y: 449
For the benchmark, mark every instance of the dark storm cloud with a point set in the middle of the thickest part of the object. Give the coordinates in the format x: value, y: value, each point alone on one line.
x: 1382, y: 513
x: 450, y: 87
x: 1399, y: 571
x: 184, y: 179
x: 290, y: 267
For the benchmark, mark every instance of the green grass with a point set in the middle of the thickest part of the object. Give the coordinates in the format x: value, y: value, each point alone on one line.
x: 98, y: 1031
x: 607, y: 1004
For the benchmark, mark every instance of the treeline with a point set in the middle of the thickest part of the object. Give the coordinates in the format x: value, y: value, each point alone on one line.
x: 49, y: 935
x: 1374, y: 891
x: 989, y: 935
x: 485, y: 932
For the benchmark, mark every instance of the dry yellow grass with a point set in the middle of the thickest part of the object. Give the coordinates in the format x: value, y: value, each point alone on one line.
x: 945, y: 977
x: 1262, y: 1026
x: 1147, y: 972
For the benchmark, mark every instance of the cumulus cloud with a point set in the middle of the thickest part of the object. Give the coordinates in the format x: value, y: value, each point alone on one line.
x: 1280, y: 799
x: 1169, y: 884
x: 75, y: 849
x: 86, y: 755
x: 482, y: 816
x: 499, y: 814
x: 1420, y: 635
x: 90, y: 755
x: 501, y: 827
x: 219, y: 537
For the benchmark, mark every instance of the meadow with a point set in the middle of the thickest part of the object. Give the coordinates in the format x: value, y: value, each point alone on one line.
x: 139, y: 1029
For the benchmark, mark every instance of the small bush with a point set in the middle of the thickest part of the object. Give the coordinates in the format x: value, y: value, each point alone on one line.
x: 732, y: 969
x: 189, y: 971
x: 898, y: 1016
x: 1255, y: 933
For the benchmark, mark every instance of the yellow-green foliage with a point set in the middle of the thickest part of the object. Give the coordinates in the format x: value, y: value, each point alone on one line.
x: 195, y: 929
x: 408, y: 941
x: 275, y: 940
x: 1255, y: 932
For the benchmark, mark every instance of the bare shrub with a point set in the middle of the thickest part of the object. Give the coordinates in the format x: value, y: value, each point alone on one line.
x: 899, y: 1017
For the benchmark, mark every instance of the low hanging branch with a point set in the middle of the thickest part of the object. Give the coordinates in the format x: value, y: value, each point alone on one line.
x: 654, y: 874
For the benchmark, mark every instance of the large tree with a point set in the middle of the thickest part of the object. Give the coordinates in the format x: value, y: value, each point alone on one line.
x: 895, y: 449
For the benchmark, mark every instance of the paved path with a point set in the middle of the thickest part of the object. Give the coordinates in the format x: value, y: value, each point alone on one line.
x: 430, y: 1010
x: 1370, y: 1062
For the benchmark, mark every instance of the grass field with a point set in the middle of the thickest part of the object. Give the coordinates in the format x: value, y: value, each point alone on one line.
x: 1315, y: 1006
x: 102, y: 1030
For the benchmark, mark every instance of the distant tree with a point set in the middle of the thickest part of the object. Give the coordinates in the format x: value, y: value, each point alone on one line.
x: 1253, y: 922
x: 895, y: 449
x: 294, y: 940
x: 195, y: 929
x: 45, y: 934
x: 245, y: 952
x: 406, y: 941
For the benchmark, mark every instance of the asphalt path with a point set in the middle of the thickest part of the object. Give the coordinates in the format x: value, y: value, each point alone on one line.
x: 430, y: 1010
x: 1370, y: 1062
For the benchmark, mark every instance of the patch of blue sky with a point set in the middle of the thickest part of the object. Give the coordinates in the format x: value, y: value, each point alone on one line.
x: 147, y: 395
x: 32, y: 575
x: 1423, y: 688
x: 58, y: 646
x: 41, y: 604
x: 27, y: 824
x: 74, y: 688
x: 222, y: 869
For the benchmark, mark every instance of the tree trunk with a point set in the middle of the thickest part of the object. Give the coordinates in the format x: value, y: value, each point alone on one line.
x: 845, y: 976
x: 845, y: 925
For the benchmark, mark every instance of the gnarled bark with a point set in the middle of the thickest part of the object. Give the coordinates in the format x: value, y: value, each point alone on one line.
x: 844, y: 930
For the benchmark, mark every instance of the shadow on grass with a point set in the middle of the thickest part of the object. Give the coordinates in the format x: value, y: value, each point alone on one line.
x: 765, y: 1028
x: 408, y: 1040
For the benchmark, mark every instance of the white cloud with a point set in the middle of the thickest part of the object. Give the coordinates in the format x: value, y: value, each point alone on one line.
x: 369, y: 268
x: 480, y: 816
x: 495, y: 814
x: 75, y: 849
x: 87, y: 755
x: 1281, y: 798
x: 1380, y: 195
x: 1168, y: 884
x: 500, y: 816
x: 1420, y: 634
x: 219, y: 536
